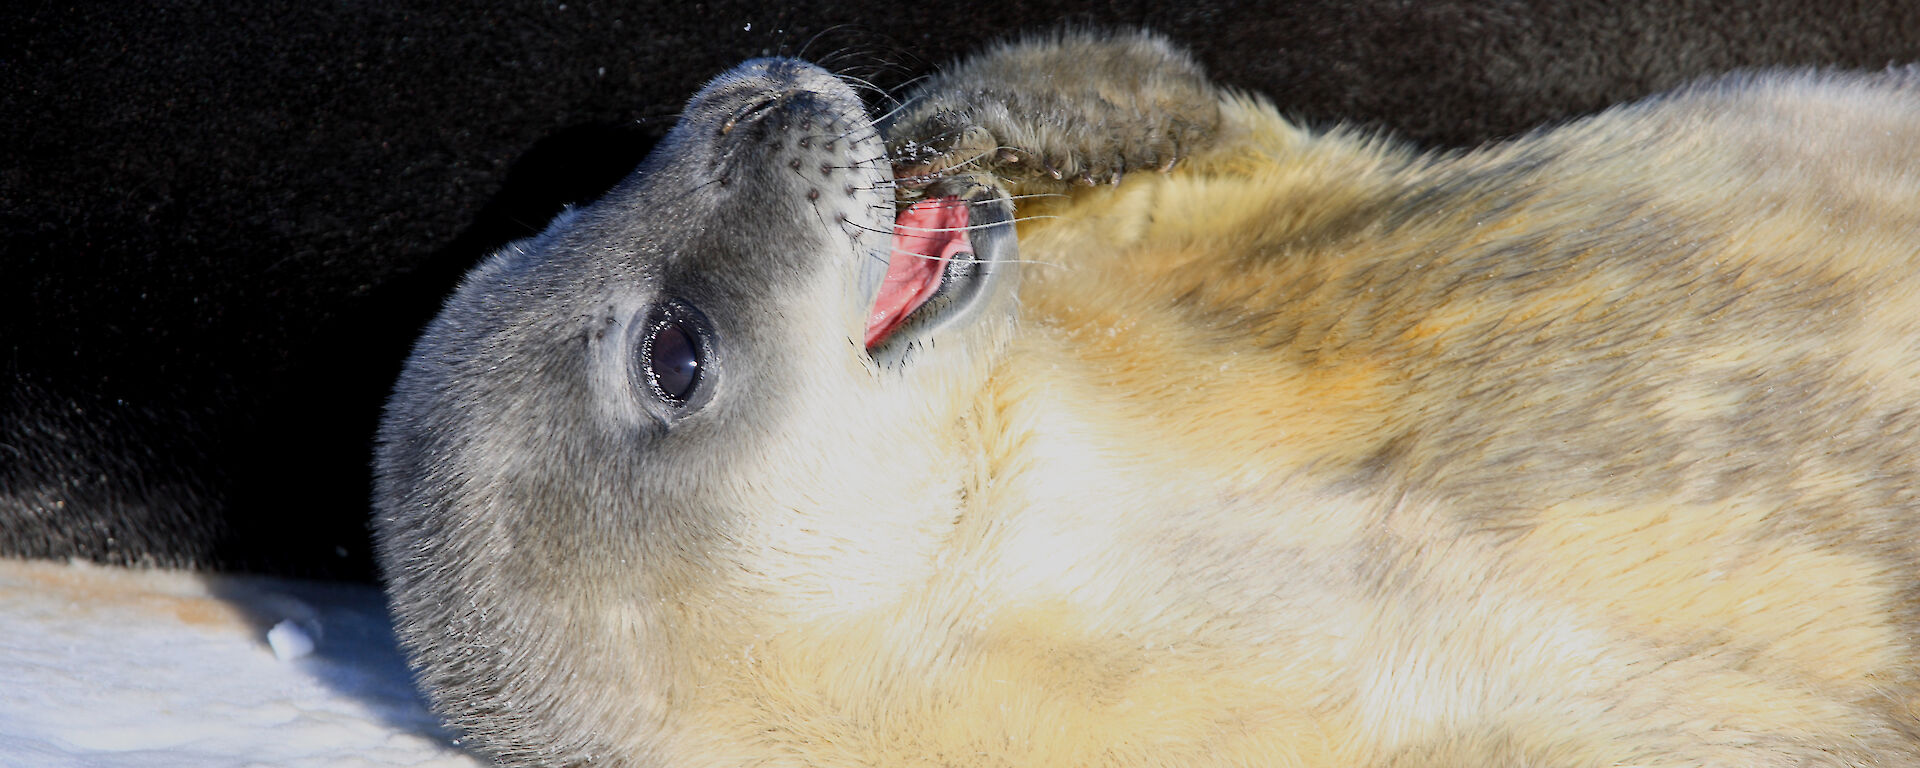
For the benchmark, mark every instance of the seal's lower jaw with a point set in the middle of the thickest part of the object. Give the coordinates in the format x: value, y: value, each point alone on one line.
x: 952, y: 258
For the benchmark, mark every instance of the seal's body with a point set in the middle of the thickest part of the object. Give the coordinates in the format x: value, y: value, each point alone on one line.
x: 1596, y: 448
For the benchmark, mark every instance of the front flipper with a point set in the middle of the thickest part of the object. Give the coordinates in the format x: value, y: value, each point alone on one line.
x: 1043, y: 113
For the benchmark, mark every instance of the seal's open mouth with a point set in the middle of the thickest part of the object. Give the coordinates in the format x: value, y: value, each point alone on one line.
x: 930, y: 248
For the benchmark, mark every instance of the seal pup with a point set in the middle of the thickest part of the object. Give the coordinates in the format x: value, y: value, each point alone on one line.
x: 1596, y: 448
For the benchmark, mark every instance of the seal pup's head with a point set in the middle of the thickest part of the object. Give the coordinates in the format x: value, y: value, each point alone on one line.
x: 679, y: 417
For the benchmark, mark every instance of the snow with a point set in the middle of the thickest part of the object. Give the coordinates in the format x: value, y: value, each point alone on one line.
x: 289, y: 641
x: 134, y: 668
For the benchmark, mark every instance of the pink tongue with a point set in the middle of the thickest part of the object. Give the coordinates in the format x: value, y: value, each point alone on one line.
x: 925, y: 238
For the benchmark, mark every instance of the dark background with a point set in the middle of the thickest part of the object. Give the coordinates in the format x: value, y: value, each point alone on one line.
x: 225, y: 221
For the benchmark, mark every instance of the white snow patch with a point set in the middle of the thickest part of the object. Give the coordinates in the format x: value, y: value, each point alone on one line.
x: 289, y: 641
x: 155, y: 669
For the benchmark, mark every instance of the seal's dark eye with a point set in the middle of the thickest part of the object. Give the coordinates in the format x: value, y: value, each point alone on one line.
x: 673, y: 360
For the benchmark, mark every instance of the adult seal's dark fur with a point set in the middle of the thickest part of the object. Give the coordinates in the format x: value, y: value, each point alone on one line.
x: 1280, y: 448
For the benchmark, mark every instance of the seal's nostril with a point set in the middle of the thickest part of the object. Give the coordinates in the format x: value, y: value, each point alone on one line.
x: 751, y: 111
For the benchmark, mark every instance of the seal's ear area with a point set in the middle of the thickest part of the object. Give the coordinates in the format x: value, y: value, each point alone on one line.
x: 1074, y: 106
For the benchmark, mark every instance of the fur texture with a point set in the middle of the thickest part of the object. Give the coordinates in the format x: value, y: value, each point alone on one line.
x: 1596, y: 448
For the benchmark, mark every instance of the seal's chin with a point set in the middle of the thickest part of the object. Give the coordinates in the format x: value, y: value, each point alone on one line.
x: 950, y: 256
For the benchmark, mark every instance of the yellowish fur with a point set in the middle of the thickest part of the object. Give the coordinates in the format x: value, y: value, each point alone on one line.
x: 1183, y: 552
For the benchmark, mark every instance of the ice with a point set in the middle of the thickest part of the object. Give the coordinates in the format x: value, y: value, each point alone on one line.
x: 151, y: 668
x: 289, y: 641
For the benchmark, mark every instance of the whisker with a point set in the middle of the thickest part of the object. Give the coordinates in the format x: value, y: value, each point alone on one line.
x: 826, y: 60
x: 946, y: 170
x: 704, y: 185
x: 849, y: 132
x: 950, y: 259
x: 912, y: 81
x: 987, y: 201
x: 868, y: 85
x: 899, y: 107
x: 969, y: 227
x: 1034, y: 195
x: 802, y: 54
x: 861, y: 165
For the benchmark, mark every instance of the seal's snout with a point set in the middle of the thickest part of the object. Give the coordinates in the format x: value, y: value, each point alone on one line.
x: 748, y: 112
x: 763, y: 87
